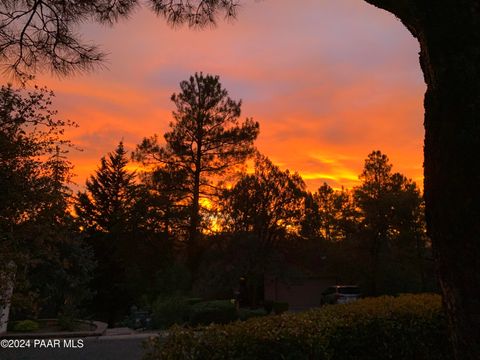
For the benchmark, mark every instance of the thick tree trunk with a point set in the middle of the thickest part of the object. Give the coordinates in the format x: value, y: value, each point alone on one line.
x: 449, y: 36
x: 450, y: 58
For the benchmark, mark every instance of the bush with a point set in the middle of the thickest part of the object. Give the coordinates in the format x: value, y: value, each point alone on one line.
x: 66, y: 322
x: 26, y: 326
x: 268, y: 306
x: 66, y: 319
x: 169, y: 311
x: 406, y: 327
x: 218, y: 312
x: 193, y: 301
x: 280, y: 307
x: 245, y: 314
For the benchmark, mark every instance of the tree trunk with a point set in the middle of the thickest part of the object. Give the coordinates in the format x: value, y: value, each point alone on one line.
x: 450, y: 58
x: 449, y: 36
x: 192, y: 251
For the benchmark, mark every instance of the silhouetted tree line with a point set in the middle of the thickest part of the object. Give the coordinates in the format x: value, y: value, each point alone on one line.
x: 40, y: 35
x: 191, y: 220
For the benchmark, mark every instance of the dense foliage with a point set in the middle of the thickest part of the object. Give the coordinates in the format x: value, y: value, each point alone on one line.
x: 186, y: 224
x: 406, y: 327
x: 40, y: 246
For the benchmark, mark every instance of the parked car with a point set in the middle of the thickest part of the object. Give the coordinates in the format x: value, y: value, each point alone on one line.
x: 340, y: 294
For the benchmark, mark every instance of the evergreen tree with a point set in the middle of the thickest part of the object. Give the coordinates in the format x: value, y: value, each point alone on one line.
x: 206, y: 139
x: 106, y: 213
x: 122, y: 223
x: 390, y: 206
x: 107, y: 204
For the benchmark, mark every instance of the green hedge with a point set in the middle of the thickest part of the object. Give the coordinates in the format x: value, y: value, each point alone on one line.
x: 405, y: 327
x: 245, y: 314
x: 169, y: 311
x: 207, y: 312
x: 194, y: 312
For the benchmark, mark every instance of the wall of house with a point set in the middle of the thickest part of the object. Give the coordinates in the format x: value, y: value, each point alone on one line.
x: 301, y: 293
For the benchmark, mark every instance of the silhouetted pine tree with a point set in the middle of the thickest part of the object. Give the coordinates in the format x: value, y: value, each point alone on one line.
x: 106, y: 212
x: 206, y: 139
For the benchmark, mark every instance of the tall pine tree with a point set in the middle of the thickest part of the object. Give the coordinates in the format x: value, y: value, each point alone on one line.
x: 206, y: 139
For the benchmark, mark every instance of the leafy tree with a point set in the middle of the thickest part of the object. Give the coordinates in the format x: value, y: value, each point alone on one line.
x: 329, y: 230
x: 261, y: 212
x: 36, y: 231
x: 390, y: 206
x: 337, y: 216
x: 206, y: 139
x: 268, y: 203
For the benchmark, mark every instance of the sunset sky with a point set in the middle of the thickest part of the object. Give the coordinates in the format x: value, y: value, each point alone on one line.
x: 328, y: 80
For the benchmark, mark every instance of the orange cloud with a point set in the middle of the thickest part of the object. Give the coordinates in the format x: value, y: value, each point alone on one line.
x: 328, y: 81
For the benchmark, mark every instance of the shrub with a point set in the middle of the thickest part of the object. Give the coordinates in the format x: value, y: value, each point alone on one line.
x: 193, y: 301
x: 280, y: 307
x: 218, y: 312
x: 66, y: 319
x: 245, y: 314
x: 169, y: 311
x: 268, y: 306
x: 26, y: 326
x: 66, y: 322
x: 406, y: 327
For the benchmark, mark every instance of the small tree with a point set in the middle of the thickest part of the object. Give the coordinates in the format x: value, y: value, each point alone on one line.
x: 206, y: 139
x: 110, y: 197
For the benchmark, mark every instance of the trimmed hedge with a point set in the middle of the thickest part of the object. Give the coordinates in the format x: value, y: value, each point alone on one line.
x: 169, y: 311
x: 245, y: 314
x: 207, y: 312
x: 405, y: 327
x: 194, y: 312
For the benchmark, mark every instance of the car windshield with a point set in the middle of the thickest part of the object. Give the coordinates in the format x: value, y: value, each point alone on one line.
x: 349, y: 290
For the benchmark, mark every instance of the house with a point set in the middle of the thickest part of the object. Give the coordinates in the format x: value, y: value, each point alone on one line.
x: 300, y: 292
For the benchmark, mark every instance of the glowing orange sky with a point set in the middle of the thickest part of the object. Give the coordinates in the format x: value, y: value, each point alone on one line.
x: 329, y: 81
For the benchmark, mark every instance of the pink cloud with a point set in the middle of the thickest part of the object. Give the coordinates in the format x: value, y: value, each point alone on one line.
x: 329, y: 81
